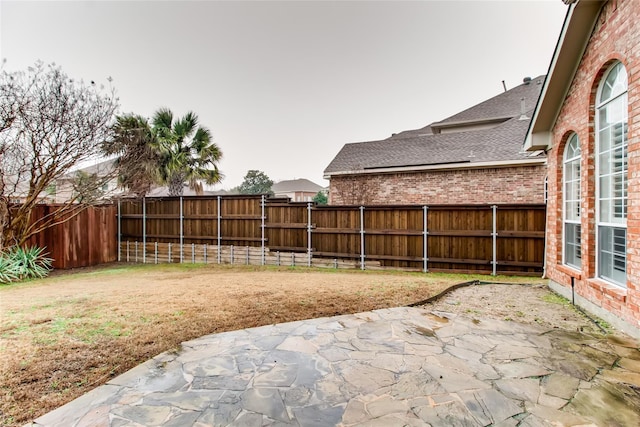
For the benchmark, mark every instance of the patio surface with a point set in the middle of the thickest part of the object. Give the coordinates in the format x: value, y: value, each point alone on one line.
x: 392, y: 367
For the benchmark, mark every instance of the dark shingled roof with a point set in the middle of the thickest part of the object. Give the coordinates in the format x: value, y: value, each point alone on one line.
x: 425, y: 146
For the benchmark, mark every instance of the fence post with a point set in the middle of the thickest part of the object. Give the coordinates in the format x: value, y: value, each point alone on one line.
x: 136, y: 251
x: 262, y: 225
x: 193, y: 253
x: 247, y: 255
x: 181, y: 232
x: 494, y: 236
x: 309, y: 234
x: 144, y: 230
x: 231, y: 255
x: 278, y: 258
x: 127, y: 251
x: 119, y: 232
x: 169, y: 254
x: 425, y: 234
x: 156, y: 252
x: 219, y: 219
x: 361, y: 237
x: 204, y: 250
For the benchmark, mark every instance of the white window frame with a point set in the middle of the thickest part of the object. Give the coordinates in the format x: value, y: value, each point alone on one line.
x: 571, y: 200
x: 613, y: 223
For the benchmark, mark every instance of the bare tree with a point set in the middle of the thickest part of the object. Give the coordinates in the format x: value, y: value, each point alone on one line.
x: 49, y: 125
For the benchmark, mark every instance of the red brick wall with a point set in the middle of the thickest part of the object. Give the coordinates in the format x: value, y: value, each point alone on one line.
x: 523, y: 184
x: 616, y: 38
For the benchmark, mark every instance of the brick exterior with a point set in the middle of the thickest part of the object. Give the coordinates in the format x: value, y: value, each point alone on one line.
x: 522, y: 184
x: 615, y: 38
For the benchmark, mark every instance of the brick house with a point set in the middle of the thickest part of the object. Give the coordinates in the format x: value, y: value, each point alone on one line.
x: 474, y: 156
x: 587, y: 120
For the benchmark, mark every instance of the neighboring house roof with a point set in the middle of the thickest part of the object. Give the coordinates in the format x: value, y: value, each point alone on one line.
x: 293, y: 185
x: 577, y: 28
x: 488, y: 134
x: 100, y: 169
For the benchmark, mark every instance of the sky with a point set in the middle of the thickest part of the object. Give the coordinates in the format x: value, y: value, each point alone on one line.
x: 284, y: 85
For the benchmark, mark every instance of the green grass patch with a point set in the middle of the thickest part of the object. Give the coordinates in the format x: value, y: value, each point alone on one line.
x: 554, y: 298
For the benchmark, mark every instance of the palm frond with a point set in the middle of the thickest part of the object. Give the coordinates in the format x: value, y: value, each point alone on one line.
x: 185, y: 126
x: 201, y: 139
x: 162, y: 119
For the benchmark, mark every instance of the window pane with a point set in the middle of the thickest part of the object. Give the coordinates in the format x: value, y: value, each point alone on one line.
x: 571, y: 187
x: 572, y: 251
x: 611, y: 167
x: 612, y: 254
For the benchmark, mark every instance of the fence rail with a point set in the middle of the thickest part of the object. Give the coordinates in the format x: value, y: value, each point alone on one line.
x: 498, y: 239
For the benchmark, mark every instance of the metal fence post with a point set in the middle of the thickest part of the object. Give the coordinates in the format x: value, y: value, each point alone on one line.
x: 136, y: 251
x: 362, y: 238
x: 219, y: 219
x: 247, y: 255
x: 169, y: 254
x: 127, y: 251
x: 494, y: 236
x: 309, y: 235
x: 204, y: 250
x: 156, y: 252
x: 181, y: 231
x: 231, y: 256
x: 262, y: 225
x: 144, y: 230
x: 119, y: 232
x: 193, y: 253
x: 425, y: 234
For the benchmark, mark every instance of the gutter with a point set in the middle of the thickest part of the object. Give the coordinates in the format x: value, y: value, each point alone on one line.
x: 440, y: 167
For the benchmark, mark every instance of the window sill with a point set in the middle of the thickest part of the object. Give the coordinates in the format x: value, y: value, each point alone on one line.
x: 569, y: 271
x: 612, y: 291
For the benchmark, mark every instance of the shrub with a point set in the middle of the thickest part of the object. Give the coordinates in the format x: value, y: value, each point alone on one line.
x: 24, y: 263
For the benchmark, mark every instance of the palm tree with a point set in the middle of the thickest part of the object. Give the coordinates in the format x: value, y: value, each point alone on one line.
x: 134, y: 142
x: 187, y: 154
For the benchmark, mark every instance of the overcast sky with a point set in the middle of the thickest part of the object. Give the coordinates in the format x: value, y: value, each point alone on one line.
x: 284, y: 85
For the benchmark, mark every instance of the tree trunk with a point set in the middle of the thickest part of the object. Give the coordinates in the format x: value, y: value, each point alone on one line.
x: 176, y: 184
x: 4, y: 221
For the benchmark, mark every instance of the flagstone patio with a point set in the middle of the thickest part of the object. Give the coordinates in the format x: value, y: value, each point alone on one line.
x: 393, y: 367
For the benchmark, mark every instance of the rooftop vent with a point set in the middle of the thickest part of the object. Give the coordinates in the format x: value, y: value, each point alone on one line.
x: 523, y: 115
x: 526, y: 80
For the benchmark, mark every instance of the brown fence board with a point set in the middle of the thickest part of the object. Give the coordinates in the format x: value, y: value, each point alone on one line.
x: 459, y: 238
x: 82, y: 239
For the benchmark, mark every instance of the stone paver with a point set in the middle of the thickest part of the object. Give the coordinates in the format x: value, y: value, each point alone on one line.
x: 392, y: 367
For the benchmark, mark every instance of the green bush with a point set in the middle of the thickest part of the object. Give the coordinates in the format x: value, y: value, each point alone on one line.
x: 24, y: 263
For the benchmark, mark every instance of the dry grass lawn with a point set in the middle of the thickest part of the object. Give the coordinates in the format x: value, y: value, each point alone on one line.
x: 62, y: 336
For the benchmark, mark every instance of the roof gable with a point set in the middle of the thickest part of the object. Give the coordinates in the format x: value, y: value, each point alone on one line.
x: 291, y: 185
x: 492, y: 131
x: 574, y: 36
x: 499, y: 108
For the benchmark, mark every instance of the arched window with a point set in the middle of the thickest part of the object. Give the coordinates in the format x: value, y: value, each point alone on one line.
x: 611, y: 170
x: 572, y: 255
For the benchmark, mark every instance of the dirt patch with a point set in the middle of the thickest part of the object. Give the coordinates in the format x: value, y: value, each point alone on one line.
x: 531, y: 304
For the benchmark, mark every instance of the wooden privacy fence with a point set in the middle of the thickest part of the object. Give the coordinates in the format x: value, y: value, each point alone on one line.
x: 77, y: 239
x: 502, y: 239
